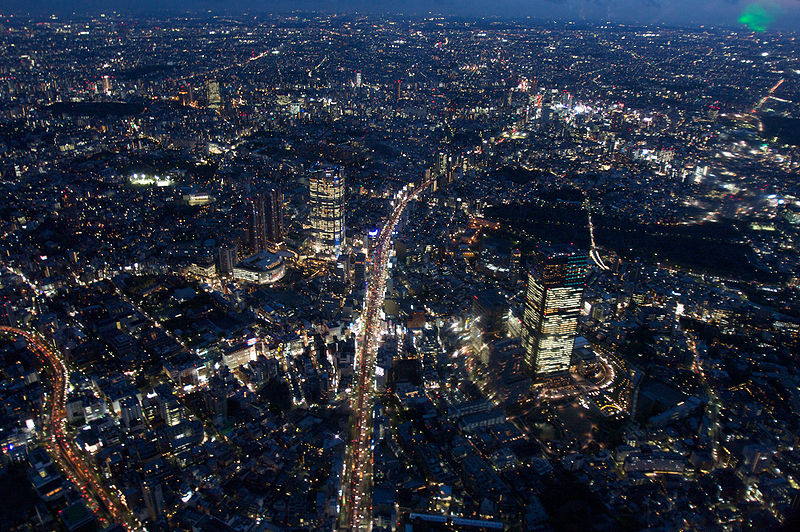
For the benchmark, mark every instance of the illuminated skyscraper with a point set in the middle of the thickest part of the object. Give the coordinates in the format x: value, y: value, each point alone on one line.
x: 442, y: 163
x: 552, y: 307
x: 327, y: 197
x: 212, y: 94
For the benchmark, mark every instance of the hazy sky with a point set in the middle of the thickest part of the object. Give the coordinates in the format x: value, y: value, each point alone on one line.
x: 782, y: 14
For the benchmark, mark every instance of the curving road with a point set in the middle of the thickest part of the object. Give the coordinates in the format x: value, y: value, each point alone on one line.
x: 594, y: 254
x: 356, y: 506
x: 98, y: 498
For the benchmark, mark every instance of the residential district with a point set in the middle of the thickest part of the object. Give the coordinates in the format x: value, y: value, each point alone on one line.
x: 312, y: 272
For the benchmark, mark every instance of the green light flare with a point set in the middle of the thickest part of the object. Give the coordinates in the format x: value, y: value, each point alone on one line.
x: 756, y: 17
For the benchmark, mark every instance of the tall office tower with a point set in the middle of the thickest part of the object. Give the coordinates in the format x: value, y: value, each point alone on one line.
x: 358, y: 78
x: 274, y: 215
x: 212, y: 94
x: 552, y: 307
x: 257, y: 224
x: 326, y: 197
x: 343, y: 268
x: 442, y: 163
x: 107, y: 85
x: 265, y: 220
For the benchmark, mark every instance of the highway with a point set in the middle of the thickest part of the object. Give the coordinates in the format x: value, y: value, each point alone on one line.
x: 107, y: 506
x: 594, y: 254
x: 356, y: 503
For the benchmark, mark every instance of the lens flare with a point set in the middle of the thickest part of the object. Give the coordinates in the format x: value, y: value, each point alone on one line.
x: 757, y: 17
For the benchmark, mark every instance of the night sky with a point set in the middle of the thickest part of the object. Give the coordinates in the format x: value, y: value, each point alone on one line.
x: 758, y: 14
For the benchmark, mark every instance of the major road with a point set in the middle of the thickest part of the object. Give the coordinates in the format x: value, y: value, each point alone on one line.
x: 356, y: 502
x: 98, y: 497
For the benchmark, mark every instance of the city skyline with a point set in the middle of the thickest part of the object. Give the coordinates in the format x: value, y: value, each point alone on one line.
x: 374, y: 272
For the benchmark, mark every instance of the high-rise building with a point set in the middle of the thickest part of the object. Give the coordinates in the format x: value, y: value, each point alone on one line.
x: 265, y: 220
x: 257, y: 224
x: 183, y: 96
x: 552, y: 307
x: 170, y: 410
x: 489, y: 309
x: 326, y: 198
x: 442, y: 163
x: 358, y: 78
x: 274, y: 216
x: 228, y: 258
x: 212, y: 94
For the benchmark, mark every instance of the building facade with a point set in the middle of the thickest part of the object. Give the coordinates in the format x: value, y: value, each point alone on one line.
x: 327, y: 201
x: 261, y: 268
x: 265, y: 220
x: 228, y: 258
x: 274, y: 216
x: 552, y: 307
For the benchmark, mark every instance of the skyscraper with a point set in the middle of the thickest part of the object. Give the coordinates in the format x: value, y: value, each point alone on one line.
x: 552, y: 307
x: 326, y: 197
x: 265, y: 220
x: 442, y: 163
x: 274, y: 216
x: 257, y: 224
x: 212, y: 94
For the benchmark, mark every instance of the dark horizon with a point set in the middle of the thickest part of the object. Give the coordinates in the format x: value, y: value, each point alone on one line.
x: 766, y: 15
